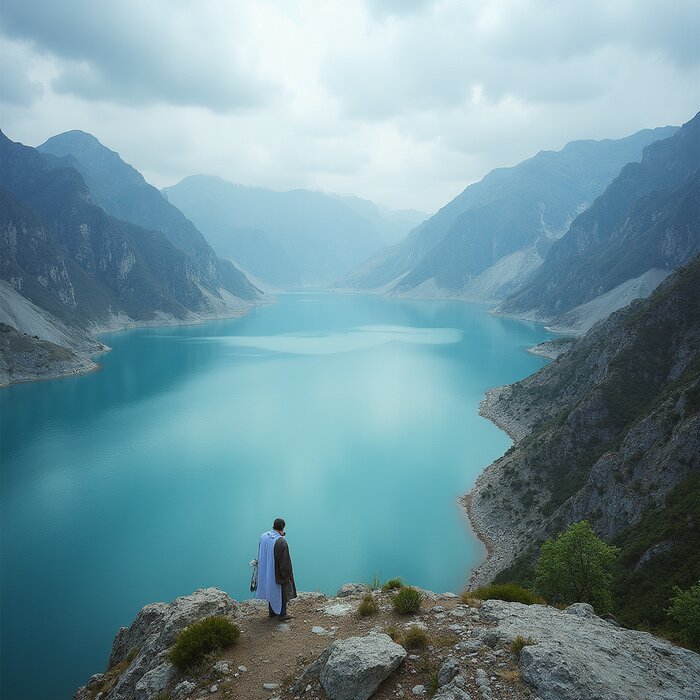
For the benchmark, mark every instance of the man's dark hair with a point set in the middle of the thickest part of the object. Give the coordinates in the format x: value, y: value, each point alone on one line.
x: 278, y: 524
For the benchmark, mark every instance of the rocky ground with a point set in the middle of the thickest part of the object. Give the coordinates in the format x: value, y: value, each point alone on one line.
x: 327, y: 650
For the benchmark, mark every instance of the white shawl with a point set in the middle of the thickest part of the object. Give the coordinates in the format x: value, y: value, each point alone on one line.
x: 268, y: 588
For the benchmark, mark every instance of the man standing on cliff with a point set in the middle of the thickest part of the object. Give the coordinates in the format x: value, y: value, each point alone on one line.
x: 275, y: 574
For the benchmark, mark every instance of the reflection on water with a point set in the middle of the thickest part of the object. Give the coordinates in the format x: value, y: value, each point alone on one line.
x: 353, y: 417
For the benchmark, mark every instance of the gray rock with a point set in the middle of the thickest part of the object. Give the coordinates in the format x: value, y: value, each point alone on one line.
x: 448, y: 670
x: 418, y: 690
x: 222, y: 667
x: 582, y: 656
x: 352, y: 589
x: 470, y: 646
x: 355, y: 667
x: 583, y: 610
x: 454, y: 690
x: 183, y: 690
x: 154, y: 681
x: 490, y: 637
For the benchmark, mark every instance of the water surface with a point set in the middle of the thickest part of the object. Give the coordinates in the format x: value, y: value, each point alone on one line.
x: 353, y: 417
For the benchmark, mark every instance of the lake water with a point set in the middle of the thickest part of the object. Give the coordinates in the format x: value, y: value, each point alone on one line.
x: 353, y: 417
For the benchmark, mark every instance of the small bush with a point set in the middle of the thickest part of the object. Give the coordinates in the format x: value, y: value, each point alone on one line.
x: 394, y: 634
x: 392, y: 584
x: 685, y: 610
x: 200, y: 638
x: 407, y: 601
x: 468, y: 598
x: 415, y: 638
x: 511, y: 677
x: 510, y: 592
x: 516, y: 646
x: 368, y: 606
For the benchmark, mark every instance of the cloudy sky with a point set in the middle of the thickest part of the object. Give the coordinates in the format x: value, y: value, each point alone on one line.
x: 401, y: 101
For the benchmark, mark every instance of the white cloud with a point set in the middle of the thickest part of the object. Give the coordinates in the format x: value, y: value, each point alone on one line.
x: 402, y: 102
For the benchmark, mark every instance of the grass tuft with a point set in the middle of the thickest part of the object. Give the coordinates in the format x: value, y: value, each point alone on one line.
x: 516, y: 646
x: 415, y: 638
x: 393, y: 584
x: 394, y: 633
x: 368, y: 606
x: 407, y: 601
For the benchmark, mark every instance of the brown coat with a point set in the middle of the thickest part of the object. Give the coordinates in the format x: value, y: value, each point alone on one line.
x: 284, y: 574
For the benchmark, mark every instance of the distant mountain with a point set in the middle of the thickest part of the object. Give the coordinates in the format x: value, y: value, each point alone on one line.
x: 646, y: 222
x: 393, y: 225
x: 303, y: 237
x: 490, y: 238
x: 69, y: 269
x: 609, y: 432
x: 122, y: 191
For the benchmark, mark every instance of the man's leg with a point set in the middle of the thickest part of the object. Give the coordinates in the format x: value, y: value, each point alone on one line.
x: 283, y: 612
x: 271, y: 611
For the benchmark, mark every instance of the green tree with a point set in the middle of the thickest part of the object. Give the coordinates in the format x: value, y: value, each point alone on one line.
x: 576, y: 567
x: 685, y: 610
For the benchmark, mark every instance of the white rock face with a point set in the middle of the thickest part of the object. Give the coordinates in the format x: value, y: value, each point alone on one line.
x: 579, y: 655
x: 355, y: 667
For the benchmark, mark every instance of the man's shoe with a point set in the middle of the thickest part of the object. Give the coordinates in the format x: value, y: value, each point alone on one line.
x: 284, y: 618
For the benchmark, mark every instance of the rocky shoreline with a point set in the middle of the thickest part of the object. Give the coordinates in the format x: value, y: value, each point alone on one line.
x: 40, y: 360
x: 500, y: 547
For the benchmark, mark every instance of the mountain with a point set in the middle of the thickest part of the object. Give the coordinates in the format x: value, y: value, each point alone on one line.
x: 68, y: 269
x: 486, y: 241
x: 609, y: 432
x: 393, y: 225
x: 645, y: 221
x: 122, y: 191
x: 308, y: 238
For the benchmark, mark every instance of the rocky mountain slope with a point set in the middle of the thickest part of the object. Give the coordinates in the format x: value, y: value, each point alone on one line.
x: 486, y: 241
x: 646, y: 222
x: 610, y: 432
x: 122, y: 191
x: 302, y: 238
x: 70, y: 269
x: 329, y: 651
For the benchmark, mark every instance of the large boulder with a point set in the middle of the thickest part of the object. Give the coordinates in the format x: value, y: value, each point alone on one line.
x: 578, y: 655
x: 144, y: 646
x: 355, y: 667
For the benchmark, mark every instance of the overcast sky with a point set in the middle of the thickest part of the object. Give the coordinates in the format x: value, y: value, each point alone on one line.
x: 400, y: 101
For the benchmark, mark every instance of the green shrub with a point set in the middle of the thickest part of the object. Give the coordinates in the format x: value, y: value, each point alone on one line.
x: 415, y: 638
x: 368, y: 606
x: 407, y: 601
x: 685, y: 610
x: 201, y: 638
x: 516, y: 646
x: 392, y: 584
x: 510, y: 592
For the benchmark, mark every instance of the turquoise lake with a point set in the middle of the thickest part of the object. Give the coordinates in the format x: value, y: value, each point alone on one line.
x: 353, y: 417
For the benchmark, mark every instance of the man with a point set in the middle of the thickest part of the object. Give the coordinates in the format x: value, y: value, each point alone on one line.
x: 275, y: 575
